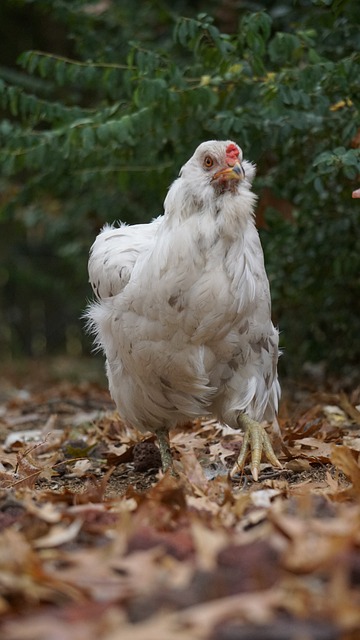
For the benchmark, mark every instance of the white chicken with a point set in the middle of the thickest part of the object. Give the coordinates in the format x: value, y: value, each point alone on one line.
x: 183, y: 310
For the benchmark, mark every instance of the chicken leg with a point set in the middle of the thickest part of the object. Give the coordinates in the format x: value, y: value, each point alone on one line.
x: 257, y: 441
x: 167, y: 463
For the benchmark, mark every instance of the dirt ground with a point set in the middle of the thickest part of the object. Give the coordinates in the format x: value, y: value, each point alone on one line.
x: 97, y: 540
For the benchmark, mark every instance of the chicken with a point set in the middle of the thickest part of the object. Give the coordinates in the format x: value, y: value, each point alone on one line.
x: 183, y: 312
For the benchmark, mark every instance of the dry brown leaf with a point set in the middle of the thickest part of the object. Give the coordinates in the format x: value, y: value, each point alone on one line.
x: 89, y: 621
x: 59, y: 534
x: 194, y: 473
x: 22, y: 574
x: 192, y: 557
x: 256, y: 607
x: 349, y: 408
x: 94, y: 574
x: 264, y: 497
x: 208, y: 543
x: 352, y: 442
x: 342, y: 457
x: 315, y: 449
x: 165, y: 626
x: 45, y: 511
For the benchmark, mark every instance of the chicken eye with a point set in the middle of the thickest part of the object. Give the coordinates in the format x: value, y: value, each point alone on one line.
x: 208, y: 162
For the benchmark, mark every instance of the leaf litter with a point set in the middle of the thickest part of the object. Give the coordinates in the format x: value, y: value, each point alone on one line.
x: 95, y: 542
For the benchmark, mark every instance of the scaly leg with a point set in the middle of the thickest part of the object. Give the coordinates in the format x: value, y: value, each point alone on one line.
x: 257, y: 440
x: 162, y: 435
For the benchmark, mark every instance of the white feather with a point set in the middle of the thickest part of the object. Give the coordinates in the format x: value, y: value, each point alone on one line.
x: 183, y: 309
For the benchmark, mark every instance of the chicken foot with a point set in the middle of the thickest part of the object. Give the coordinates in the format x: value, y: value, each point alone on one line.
x: 257, y: 441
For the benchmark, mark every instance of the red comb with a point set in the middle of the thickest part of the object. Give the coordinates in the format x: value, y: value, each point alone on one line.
x: 232, y: 152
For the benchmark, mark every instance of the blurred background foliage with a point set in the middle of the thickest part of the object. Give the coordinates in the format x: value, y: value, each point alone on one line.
x: 102, y: 101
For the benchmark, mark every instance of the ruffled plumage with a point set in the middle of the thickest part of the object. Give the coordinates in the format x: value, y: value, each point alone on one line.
x: 183, y: 305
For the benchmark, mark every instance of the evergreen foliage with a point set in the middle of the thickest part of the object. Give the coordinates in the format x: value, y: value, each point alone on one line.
x: 99, y: 134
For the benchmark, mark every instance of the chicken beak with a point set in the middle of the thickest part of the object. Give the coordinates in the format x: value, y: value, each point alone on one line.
x: 233, y: 172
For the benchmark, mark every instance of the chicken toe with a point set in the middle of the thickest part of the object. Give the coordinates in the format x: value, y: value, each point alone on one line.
x: 258, y: 442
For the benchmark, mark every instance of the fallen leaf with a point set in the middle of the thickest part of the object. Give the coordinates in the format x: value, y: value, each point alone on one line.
x: 59, y: 534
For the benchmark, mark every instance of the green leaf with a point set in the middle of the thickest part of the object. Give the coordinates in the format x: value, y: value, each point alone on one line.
x: 60, y: 72
x: 351, y: 158
x: 88, y: 138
